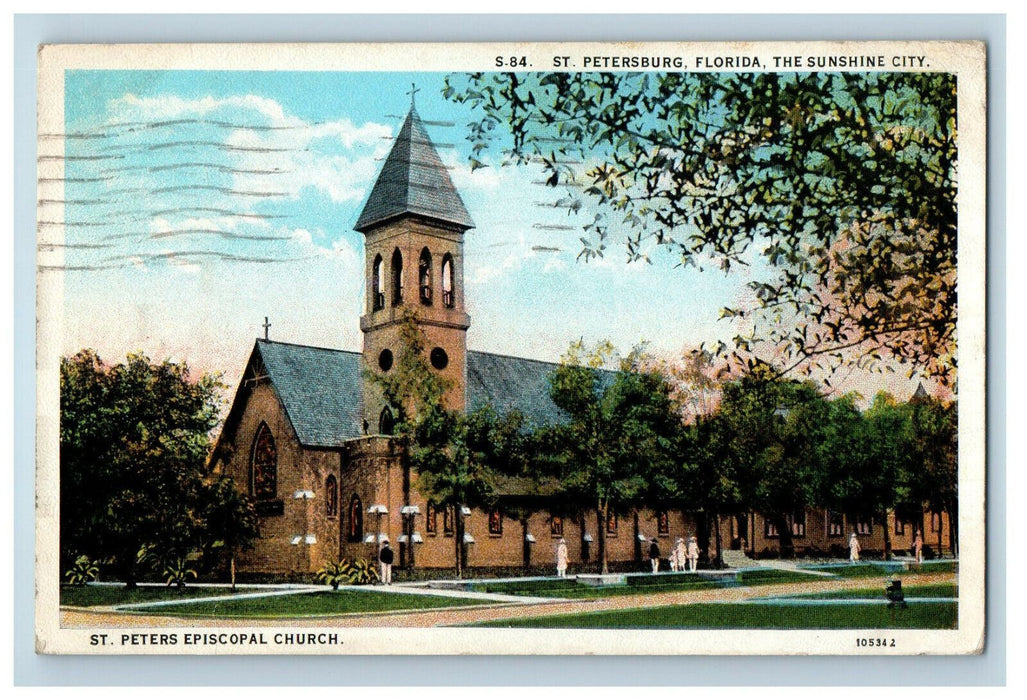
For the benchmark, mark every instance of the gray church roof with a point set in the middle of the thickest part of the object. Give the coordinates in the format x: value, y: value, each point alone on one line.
x: 413, y: 180
x: 320, y: 389
x: 512, y: 383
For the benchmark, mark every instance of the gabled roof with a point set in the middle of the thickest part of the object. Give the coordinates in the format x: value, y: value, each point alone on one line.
x: 512, y: 383
x: 319, y: 388
x: 413, y: 180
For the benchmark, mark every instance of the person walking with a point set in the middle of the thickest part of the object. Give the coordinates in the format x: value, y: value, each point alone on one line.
x: 693, y: 554
x: 385, y: 558
x: 654, y: 555
x: 561, y: 558
x: 918, y: 547
x: 853, y: 548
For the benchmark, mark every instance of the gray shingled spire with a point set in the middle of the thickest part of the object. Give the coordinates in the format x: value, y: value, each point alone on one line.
x: 413, y: 180
x: 921, y: 392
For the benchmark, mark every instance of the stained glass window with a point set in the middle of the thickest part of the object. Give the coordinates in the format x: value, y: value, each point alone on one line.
x: 265, y: 465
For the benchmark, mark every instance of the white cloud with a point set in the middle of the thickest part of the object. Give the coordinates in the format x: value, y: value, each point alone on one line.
x: 302, y: 244
x: 131, y: 107
x: 336, y: 157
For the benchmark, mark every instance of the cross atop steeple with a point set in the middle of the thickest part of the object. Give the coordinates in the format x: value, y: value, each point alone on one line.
x: 266, y: 325
x: 413, y: 91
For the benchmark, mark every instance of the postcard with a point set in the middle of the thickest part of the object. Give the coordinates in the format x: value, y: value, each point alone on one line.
x: 511, y: 348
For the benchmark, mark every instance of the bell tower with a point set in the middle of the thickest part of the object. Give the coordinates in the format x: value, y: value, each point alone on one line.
x: 413, y: 224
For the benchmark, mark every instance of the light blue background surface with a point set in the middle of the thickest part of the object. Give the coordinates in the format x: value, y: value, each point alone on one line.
x: 29, y: 669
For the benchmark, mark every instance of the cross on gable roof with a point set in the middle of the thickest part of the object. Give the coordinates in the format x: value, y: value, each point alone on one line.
x: 413, y: 180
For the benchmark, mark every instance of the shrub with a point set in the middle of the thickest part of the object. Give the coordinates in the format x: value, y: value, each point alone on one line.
x: 82, y: 571
x: 334, y: 573
x: 178, y: 571
x: 362, y: 572
x: 356, y: 573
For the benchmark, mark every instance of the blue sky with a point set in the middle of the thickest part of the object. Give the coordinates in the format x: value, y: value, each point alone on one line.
x: 197, y: 203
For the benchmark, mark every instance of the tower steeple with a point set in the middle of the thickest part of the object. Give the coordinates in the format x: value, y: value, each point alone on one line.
x: 414, y: 181
x: 413, y: 223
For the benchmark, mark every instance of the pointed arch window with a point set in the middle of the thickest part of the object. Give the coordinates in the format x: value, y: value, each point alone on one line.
x: 378, y: 283
x: 386, y: 422
x: 424, y: 277
x: 355, y: 531
x: 431, y: 519
x: 264, y: 465
x: 611, y: 524
x: 331, y: 497
x: 397, y: 277
x: 447, y: 281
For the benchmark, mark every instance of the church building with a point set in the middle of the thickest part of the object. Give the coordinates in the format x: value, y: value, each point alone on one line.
x: 308, y: 436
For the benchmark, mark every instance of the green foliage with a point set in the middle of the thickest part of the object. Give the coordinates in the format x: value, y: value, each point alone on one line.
x: 318, y: 604
x: 82, y: 571
x: 456, y: 456
x: 843, y: 183
x: 228, y: 519
x: 134, y: 440
x: 616, y: 444
x: 771, y: 434
x: 90, y: 596
x: 334, y: 573
x: 362, y: 573
x: 178, y: 571
x: 359, y: 572
x: 843, y: 616
x: 411, y: 386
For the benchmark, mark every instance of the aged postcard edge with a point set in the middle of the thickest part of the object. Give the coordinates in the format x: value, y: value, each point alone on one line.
x: 966, y: 59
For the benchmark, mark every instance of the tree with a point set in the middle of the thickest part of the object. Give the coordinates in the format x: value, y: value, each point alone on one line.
x: 704, y: 481
x: 932, y: 474
x: 457, y: 458
x: 773, y: 430
x: 619, y: 432
x: 229, y: 521
x: 134, y: 440
x: 861, y: 457
x: 844, y: 183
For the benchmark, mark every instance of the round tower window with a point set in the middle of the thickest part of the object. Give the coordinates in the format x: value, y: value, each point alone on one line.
x: 385, y: 360
x: 439, y: 358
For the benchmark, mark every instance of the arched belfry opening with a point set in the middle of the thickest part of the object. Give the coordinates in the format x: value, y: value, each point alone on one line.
x: 397, y: 277
x: 378, y: 283
x: 447, y: 281
x: 424, y: 277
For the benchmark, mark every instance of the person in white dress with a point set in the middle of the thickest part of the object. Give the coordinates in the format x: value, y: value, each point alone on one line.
x: 678, y: 555
x: 693, y: 553
x: 853, y: 548
x: 561, y: 558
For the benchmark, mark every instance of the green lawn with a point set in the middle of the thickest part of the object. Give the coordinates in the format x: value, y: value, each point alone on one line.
x: 583, y: 591
x: 637, y: 584
x: 936, y: 590
x: 538, y: 587
x: 88, y: 596
x: 753, y: 616
x: 881, y: 569
x: 313, y: 604
x: 858, y: 570
x: 929, y: 567
x: 759, y: 577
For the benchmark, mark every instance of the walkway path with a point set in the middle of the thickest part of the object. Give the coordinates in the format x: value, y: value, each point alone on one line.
x: 465, y: 616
